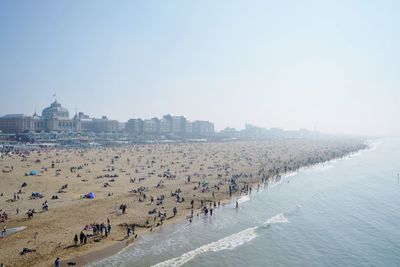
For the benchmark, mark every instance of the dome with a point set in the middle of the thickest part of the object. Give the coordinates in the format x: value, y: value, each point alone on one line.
x: 55, y: 111
x: 55, y: 104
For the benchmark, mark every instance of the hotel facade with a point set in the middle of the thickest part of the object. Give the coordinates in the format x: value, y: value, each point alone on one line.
x: 168, y: 125
x: 55, y: 118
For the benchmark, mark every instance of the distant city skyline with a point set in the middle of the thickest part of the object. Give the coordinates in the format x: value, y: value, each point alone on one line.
x: 38, y: 111
x: 79, y: 113
x: 57, y: 118
x: 329, y: 66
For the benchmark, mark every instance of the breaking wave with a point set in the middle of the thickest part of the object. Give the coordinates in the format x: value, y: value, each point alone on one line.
x: 279, y: 218
x: 229, y: 242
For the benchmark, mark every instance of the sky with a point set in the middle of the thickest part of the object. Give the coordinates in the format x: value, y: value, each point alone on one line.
x: 331, y: 66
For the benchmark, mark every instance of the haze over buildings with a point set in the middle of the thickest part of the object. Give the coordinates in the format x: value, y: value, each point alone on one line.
x: 55, y: 118
x: 55, y: 125
x: 330, y: 66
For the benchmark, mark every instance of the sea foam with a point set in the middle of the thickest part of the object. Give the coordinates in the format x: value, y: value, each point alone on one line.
x: 229, y: 242
x: 243, y: 199
x: 279, y: 218
x: 289, y: 174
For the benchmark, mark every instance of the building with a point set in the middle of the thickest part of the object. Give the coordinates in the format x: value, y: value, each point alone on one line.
x: 178, y: 125
x: 105, y: 125
x: 15, y: 123
x: 168, y: 127
x: 166, y: 124
x: 189, y: 128
x: 151, y: 126
x: 134, y: 127
x: 203, y: 128
x: 55, y: 118
x: 83, y: 122
x: 55, y: 111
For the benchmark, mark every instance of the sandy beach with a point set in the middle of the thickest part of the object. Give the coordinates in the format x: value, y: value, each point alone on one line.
x: 142, y: 178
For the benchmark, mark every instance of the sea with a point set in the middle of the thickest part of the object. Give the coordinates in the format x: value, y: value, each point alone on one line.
x: 345, y: 212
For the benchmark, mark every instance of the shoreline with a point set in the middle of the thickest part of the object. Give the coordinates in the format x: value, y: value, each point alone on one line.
x: 220, y: 165
x: 95, y: 256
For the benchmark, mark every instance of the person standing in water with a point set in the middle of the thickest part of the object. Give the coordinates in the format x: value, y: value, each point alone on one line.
x: 237, y: 204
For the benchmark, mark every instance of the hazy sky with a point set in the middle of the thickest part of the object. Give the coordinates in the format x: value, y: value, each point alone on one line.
x: 329, y: 65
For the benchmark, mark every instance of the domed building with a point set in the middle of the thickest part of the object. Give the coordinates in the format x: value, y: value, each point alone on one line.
x: 55, y: 118
x: 55, y: 111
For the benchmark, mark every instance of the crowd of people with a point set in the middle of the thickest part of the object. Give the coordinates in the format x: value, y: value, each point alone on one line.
x: 167, y: 181
x: 97, y: 229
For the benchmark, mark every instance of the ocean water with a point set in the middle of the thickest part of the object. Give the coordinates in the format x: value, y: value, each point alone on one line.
x: 342, y: 213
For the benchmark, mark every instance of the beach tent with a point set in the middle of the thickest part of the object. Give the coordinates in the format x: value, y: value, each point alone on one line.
x: 33, y: 172
x: 90, y: 195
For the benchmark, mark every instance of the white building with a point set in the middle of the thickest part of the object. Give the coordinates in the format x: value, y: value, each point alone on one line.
x: 178, y: 125
x: 203, y: 128
x: 166, y: 124
x: 151, y: 126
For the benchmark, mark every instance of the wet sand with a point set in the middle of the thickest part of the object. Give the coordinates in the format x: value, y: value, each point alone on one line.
x: 158, y: 169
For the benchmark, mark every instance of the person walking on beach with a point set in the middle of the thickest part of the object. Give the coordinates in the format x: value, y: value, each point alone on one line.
x: 57, y: 262
x: 81, y: 237
x: 3, y: 233
x: 76, y: 239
